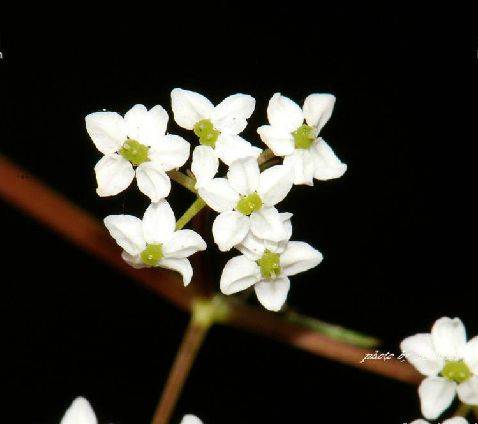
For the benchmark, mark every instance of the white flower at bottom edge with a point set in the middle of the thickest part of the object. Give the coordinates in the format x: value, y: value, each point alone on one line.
x: 449, y: 362
x: 268, y: 271
x: 153, y: 241
x: 137, y: 140
x: 454, y: 420
x: 245, y: 201
x: 287, y: 135
x: 80, y: 412
x: 216, y: 126
x: 191, y: 419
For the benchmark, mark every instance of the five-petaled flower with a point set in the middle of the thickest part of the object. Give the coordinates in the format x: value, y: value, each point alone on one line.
x: 137, y: 140
x: 153, y: 241
x: 245, y: 201
x: 268, y: 269
x: 287, y: 135
x: 216, y: 126
x: 80, y: 412
x: 448, y: 361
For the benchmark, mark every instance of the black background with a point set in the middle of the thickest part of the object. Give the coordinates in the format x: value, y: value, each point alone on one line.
x: 395, y: 230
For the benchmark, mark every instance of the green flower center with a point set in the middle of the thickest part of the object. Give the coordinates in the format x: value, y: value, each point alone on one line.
x: 269, y: 263
x: 206, y: 132
x: 249, y: 204
x: 135, y: 152
x: 152, y: 254
x: 304, y: 136
x: 456, y: 371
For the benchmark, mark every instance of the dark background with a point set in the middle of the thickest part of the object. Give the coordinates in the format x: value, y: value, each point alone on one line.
x: 395, y: 230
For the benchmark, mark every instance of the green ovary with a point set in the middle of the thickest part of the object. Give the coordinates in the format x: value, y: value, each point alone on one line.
x: 269, y: 264
x: 304, y: 136
x: 152, y: 254
x: 456, y: 371
x: 249, y: 204
x: 206, y: 132
x: 135, y: 152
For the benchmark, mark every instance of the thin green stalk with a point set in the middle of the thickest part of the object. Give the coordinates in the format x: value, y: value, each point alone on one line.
x: 333, y: 331
x: 183, y: 179
x: 193, y: 210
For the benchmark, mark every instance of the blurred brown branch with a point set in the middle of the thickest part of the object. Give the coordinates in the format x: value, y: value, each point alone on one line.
x: 28, y: 194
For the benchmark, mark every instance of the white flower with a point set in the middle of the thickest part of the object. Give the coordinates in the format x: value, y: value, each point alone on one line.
x: 153, y: 241
x: 139, y: 139
x: 268, y: 269
x: 216, y: 126
x: 454, y: 420
x: 449, y: 362
x: 287, y: 135
x: 191, y: 419
x: 80, y: 412
x: 245, y: 201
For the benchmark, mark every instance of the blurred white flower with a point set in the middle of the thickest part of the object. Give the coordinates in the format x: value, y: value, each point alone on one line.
x: 216, y: 126
x: 268, y: 269
x: 153, y: 241
x: 191, y: 419
x: 449, y: 362
x: 80, y: 412
x: 137, y: 140
x: 454, y: 420
x: 287, y: 135
x: 245, y: 201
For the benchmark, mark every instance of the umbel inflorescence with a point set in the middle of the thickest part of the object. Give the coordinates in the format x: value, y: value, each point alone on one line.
x: 245, y: 198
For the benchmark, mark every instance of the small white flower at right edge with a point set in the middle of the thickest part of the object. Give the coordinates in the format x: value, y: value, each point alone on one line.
x: 154, y: 242
x: 191, y: 419
x: 448, y: 361
x: 454, y: 420
x: 80, y: 412
x: 268, y: 270
x: 287, y: 135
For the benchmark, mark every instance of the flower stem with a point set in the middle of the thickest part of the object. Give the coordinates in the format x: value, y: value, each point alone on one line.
x: 183, y: 179
x: 192, y: 211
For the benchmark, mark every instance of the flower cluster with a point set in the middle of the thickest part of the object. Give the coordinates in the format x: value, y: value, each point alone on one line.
x: 245, y: 197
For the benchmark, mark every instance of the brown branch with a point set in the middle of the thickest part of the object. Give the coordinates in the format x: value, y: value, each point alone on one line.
x: 54, y: 211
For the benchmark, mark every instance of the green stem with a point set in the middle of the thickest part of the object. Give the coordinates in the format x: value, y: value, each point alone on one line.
x: 193, y: 210
x: 183, y: 179
x: 334, y: 331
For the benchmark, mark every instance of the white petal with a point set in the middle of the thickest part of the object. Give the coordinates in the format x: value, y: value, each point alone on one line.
x: 278, y: 139
x: 243, y: 175
x: 436, y: 395
x: 134, y: 261
x: 219, y: 195
x: 191, y: 419
x: 449, y: 338
x: 113, y: 175
x: 80, y: 412
x: 303, y: 164
x: 420, y: 421
x: 231, y: 115
x: 420, y: 352
x: 153, y: 181
x: 171, y: 151
x: 230, y: 228
x: 147, y: 127
x: 127, y: 230
x: 327, y: 164
x: 232, y: 147
x: 272, y: 293
x: 183, y: 266
x: 183, y: 243
x: 274, y: 184
x: 470, y: 354
x: 189, y: 107
x: 267, y: 224
x: 238, y: 274
x: 159, y: 222
x: 468, y: 391
x: 456, y: 420
x: 205, y: 164
x: 252, y: 247
x: 299, y: 257
x: 283, y: 112
x: 107, y: 130
x: 318, y: 109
